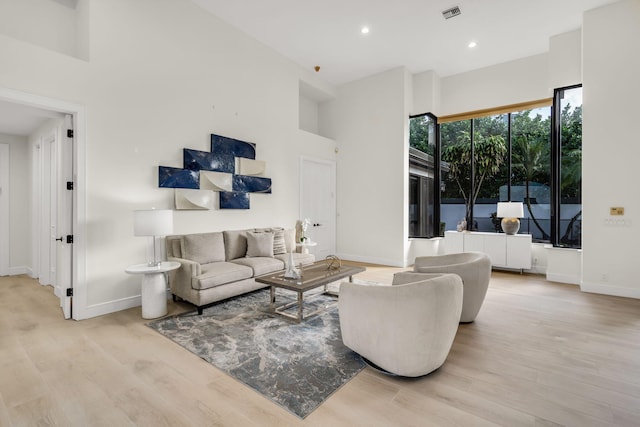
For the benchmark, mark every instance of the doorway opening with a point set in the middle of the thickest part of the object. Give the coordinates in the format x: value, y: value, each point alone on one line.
x: 56, y: 247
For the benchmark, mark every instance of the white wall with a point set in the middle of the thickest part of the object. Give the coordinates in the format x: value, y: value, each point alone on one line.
x: 371, y: 119
x: 611, y: 147
x: 19, y: 203
x: 426, y: 93
x: 565, y: 59
x: 163, y: 75
x: 509, y: 83
x: 42, y: 22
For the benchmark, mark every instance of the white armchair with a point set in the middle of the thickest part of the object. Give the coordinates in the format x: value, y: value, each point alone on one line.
x: 473, y: 267
x: 406, y: 329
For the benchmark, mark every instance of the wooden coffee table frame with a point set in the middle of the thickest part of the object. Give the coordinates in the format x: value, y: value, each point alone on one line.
x: 313, y: 277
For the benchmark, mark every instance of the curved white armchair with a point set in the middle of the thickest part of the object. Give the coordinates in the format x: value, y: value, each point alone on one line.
x: 475, y: 270
x: 405, y: 329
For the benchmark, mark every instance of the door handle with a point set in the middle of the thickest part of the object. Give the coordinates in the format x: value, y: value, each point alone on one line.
x: 59, y: 239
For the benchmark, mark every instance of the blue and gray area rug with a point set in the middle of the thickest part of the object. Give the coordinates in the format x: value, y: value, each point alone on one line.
x: 296, y: 365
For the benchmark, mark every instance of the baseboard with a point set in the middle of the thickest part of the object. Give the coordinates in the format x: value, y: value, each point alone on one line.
x: 372, y: 260
x: 112, y: 307
x: 563, y: 278
x: 617, y: 291
x: 16, y: 271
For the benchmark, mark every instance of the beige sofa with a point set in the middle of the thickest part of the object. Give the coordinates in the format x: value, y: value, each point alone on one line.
x: 219, y: 265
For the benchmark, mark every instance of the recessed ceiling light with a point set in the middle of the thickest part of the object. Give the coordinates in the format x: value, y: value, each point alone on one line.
x: 364, y: 30
x: 472, y: 45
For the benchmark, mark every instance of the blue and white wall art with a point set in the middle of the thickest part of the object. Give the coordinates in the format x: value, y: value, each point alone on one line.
x: 230, y: 168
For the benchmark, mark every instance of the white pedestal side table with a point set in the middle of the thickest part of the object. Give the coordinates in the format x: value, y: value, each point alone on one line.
x: 306, y: 245
x: 154, y: 287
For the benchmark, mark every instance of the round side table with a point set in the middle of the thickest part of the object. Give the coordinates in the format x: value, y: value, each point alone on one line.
x: 306, y: 245
x: 154, y: 287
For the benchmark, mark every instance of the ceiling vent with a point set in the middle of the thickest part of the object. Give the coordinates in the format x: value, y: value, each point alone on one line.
x: 451, y: 12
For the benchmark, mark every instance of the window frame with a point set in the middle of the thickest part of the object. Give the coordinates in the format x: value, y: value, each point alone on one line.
x: 555, y: 157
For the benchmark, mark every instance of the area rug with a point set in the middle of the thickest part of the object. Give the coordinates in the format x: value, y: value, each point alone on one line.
x: 296, y: 365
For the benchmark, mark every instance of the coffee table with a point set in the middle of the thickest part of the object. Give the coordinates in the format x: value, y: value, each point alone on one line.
x: 313, y: 277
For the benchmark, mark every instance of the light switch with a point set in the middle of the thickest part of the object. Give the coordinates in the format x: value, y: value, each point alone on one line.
x: 616, y: 211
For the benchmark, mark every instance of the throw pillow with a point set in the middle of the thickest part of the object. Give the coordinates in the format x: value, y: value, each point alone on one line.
x: 259, y: 245
x: 204, y: 248
x: 279, y: 246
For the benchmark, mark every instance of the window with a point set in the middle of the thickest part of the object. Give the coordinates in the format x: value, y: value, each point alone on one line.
x: 422, y: 146
x: 567, y: 161
x: 529, y: 152
x: 531, y: 170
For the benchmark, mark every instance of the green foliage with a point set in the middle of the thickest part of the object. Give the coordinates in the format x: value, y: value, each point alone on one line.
x: 419, y: 132
x: 488, y: 155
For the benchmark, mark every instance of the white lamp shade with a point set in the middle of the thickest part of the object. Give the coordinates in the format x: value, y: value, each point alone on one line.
x: 153, y: 222
x: 510, y: 210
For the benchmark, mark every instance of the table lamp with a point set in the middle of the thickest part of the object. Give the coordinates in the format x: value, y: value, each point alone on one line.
x: 510, y: 212
x: 154, y: 223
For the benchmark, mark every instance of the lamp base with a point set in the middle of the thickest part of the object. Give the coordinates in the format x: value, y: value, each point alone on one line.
x: 510, y: 225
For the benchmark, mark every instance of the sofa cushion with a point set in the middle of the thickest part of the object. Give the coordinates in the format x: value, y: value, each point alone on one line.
x: 204, y: 247
x: 220, y: 273
x: 261, y: 265
x: 259, y: 244
x: 235, y: 244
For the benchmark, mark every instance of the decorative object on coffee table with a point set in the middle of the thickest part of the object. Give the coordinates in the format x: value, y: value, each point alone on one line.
x: 333, y: 262
x: 291, y: 272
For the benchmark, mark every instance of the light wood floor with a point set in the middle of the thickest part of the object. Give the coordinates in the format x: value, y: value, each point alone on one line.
x: 539, y: 354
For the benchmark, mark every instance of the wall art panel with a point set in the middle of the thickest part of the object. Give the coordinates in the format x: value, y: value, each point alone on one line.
x: 178, y: 178
x: 234, y: 200
x: 223, y: 145
x: 203, y: 160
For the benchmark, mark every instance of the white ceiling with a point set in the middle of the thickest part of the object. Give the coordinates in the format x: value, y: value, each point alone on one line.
x: 410, y: 33
x: 22, y: 120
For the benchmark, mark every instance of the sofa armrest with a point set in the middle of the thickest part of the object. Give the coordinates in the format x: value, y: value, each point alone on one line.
x: 180, y: 280
x: 189, y: 268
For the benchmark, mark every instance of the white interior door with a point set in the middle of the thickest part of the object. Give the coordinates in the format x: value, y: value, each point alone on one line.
x: 4, y: 209
x: 46, y: 217
x: 64, y: 218
x: 318, y: 203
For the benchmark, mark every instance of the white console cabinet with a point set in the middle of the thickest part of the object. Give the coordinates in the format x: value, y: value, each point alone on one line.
x: 505, y: 251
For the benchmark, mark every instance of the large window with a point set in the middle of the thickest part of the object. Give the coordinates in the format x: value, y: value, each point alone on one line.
x: 422, y: 179
x: 530, y: 155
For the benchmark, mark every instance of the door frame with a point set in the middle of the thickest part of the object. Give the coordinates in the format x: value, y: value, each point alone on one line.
x: 78, y: 273
x: 4, y: 208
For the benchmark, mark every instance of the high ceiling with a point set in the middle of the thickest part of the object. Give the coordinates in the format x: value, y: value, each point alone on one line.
x: 410, y: 33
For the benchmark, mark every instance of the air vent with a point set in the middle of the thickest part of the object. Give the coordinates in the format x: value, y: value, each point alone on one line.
x: 450, y: 13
